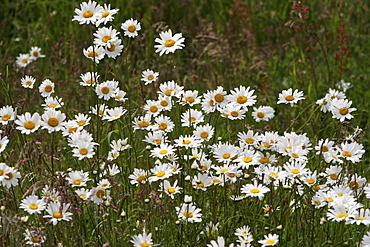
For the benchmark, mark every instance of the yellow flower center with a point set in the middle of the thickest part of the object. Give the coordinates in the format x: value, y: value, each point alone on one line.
x: 160, y: 174
x: 150, y: 77
x: 88, y: 14
x: 204, y: 168
x: 318, y: 203
x: 354, y: 185
x: 35, y: 239
x: 311, y: 181
x: 289, y: 98
x: 83, y: 151
x: 105, y: 39
x: 92, y: 54
x: 201, y: 185
x: 105, y: 90
x: 169, y: 43
x: 105, y: 14
x: 274, y: 174
x: 224, y: 170
x: 334, y: 176
x: 25, y: 61
x: 153, y: 108
x: 324, y: 149
x: 340, y: 194
x: 360, y: 218
x: 211, y: 103
x: 171, y: 190
x: 231, y: 175
x: 48, y: 88
x: 189, y: 99
x: 241, y: 99
x: 162, y: 126
x: 53, y: 122
x: 71, y: 130
x: 255, y: 190
x: 247, y: 159
x: 264, y: 160
x: 6, y: 117
x: 100, y: 193
x: 219, y: 98
x: 29, y: 125
x: 204, y: 135
x: 77, y: 182
x: 295, y: 171
x: 260, y: 114
x: 112, y: 48
x: 83, y: 196
x: 35, y: 54
x: 226, y: 155
x: 342, y: 215
x: 216, y: 180
x: 169, y: 92
x: 143, y: 124
x: 328, y: 199
x: 28, y: 83
x: 186, y: 142
x: 234, y: 113
x: 164, y: 103
x: 346, y: 154
x: 163, y: 152
x: 295, y: 155
x: 270, y: 241
x: 249, y: 140
x: 343, y: 111
x: 34, y: 206
x: 188, y: 215
x: 131, y: 28
x: 58, y: 215
x: 141, y: 179
x: 53, y: 105
x: 145, y: 244
x: 157, y: 141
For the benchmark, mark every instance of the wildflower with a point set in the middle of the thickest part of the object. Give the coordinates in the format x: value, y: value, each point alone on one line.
x: 46, y: 88
x: 160, y: 172
x: 149, y: 76
x: 23, y: 60
x: 226, y: 153
x: 163, y: 123
x: 169, y: 43
x: 114, y: 49
x: 35, y: 53
x: 361, y: 216
x: 191, y: 117
x: 119, y: 95
x: 7, y: 113
x: 204, y: 132
x: 139, y: 176
x: 233, y: 112
x: 190, y: 98
x: 89, y: 13
x: 78, y: 178
x: 99, y: 195
x: 290, y: 97
x: 242, y: 97
x: 83, y: 150
x: 112, y: 170
x: 58, y: 212
x: 248, y: 139
x: 32, y: 204
x: 53, y: 120
x: 255, y: 190
x: 365, y: 242
x: 202, y: 181
x: 104, y: 36
x: 189, y: 212
x: 141, y: 240
x: 351, y: 151
x: 155, y: 138
x: 170, y: 88
x: 343, y: 85
x: 89, y: 79
x: 220, y: 243
x: 114, y: 114
x: 4, y: 168
x: 98, y: 109
x: 165, y: 102
x: 52, y: 103
x: 28, y: 81
x: 119, y: 145
x: 243, y: 231
x: 34, y: 237
x: 269, y: 240
x: 50, y: 194
x: 323, y: 146
x: 208, y: 103
x: 211, y: 228
x: 83, y: 193
x: 263, y: 113
x: 187, y: 141
x: 341, y: 109
x: 170, y: 190
x: 28, y: 124
x: 70, y: 127
x: 106, y: 89
x: 142, y: 122
x: 153, y: 107
x: 340, y: 212
x: 95, y: 53
x: 131, y: 28
x: 247, y: 158
x: 107, y: 15
x: 3, y: 143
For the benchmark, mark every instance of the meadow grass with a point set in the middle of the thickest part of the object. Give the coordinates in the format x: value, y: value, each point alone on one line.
x: 265, y: 46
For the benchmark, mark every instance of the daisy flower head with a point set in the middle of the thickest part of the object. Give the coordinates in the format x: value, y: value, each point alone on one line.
x: 341, y: 109
x: 46, y: 88
x: 263, y: 113
x: 165, y: 102
x: 351, y: 151
x: 3, y: 143
x: 149, y: 76
x: 106, y: 89
x: 107, y: 15
x: 11, y: 177
x: 98, y: 109
x: 191, y: 117
x: 142, y: 122
x: 189, y: 212
x: 83, y: 150
x: 114, y: 113
x: 242, y: 97
x: 53, y: 120
x: 153, y: 107
x: 219, y: 243
x: 99, y: 195
x: 28, y: 81
x: 340, y: 212
x: 131, y: 28
x: 33, y: 205
x: 28, y: 124
x: 35, y: 53
x: 89, y: 79
x: 255, y: 190
x: 7, y: 113
x: 119, y: 95
x: 204, y: 132
x: 77, y: 178
x: 170, y: 88
x: 169, y: 189
x: 57, y: 212
x: 115, y: 49
x: 160, y: 172
x: 202, y: 181
x: 290, y: 97
x: 156, y: 138
x: 187, y: 142
x: 190, y: 98
x: 269, y: 240
x: 141, y: 240
x: 23, y: 60
x: 163, y: 124
x: 95, y: 53
x: 365, y: 242
x: 162, y: 151
x: 233, y: 111
x: 139, y: 176
x: 104, y: 36
x: 168, y: 42
x: 34, y: 237
x: 88, y: 13
x: 83, y: 193
x: 52, y: 103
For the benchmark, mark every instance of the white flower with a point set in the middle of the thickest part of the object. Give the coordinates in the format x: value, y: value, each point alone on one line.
x: 28, y: 81
x: 149, y: 76
x: 131, y: 28
x: 95, y: 53
x: 89, y: 13
x: 290, y: 97
x: 169, y: 43
x: 58, y: 212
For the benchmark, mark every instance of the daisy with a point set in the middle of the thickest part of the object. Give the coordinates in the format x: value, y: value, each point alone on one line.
x: 139, y: 176
x: 169, y: 43
x: 32, y: 204
x: 248, y: 139
x: 165, y: 102
x: 242, y: 97
x: 160, y: 172
x: 114, y: 49
x: 46, y: 88
x: 332, y: 156
x: 95, y: 53
x: 255, y: 190
x: 89, y: 79
x: 58, y: 212
x: 142, y: 122
x: 23, y: 60
x: 104, y: 183
x: 323, y: 146
x: 170, y: 190
x: 295, y: 169
x: 149, y: 76
x: 269, y: 240
x: 99, y: 195
x: 340, y: 212
x: 219, y: 96
x: 119, y: 95
x: 112, y: 155
x: 163, y: 123
x: 83, y: 150
x: 365, y: 242
x: 191, y: 117
x: 248, y: 157
x: 269, y: 140
x: 204, y: 132
x: 119, y: 145
x: 361, y: 216
x: 104, y: 36
x: 263, y: 113
x: 53, y: 120
x: 233, y: 112
x: 220, y: 243
x: 290, y: 97
x: 83, y: 193
x: 170, y: 88
x: 114, y: 114
x: 341, y: 109
x: 187, y: 142
x: 352, y: 151
x: 78, y: 178
x: 226, y: 153
x: 190, y: 98
x: 141, y: 240
x: 153, y: 107
x: 28, y: 81
x: 3, y: 143
x: 106, y: 89
x: 89, y: 13
x: 131, y: 28
x: 202, y: 181
x: 4, y: 168
x: 70, y: 127
x: 28, y: 124
x: 35, y: 53
x: 208, y: 103
x: 34, y: 237
x: 243, y: 231
x: 107, y: 15
x: 98, y: 109
x: 189, y: 212
x: 7, y: 113
x: 52, y: 103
